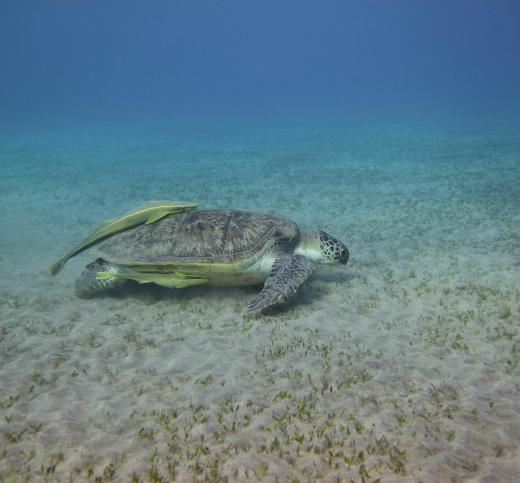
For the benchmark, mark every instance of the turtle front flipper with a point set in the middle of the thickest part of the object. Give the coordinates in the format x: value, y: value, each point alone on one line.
x: 286, y: 276
x: 88, y: 285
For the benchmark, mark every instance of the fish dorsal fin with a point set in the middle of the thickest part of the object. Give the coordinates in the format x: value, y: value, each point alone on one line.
x: 156, y: 217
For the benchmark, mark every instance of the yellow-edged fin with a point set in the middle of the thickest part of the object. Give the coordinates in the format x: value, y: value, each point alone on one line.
x: 157, y: 216
x: 58, y: 265
x: 170, y: 280
x: 149, y: 212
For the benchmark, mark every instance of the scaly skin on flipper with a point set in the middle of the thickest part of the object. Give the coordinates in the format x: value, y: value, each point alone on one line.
x: 287, y: 275
x: 147, y: 213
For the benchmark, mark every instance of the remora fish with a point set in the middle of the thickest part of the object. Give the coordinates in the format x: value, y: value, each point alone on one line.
x: 149, y: 212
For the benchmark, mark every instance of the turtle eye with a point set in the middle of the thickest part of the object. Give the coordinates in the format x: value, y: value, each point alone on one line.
x: 343, y: 256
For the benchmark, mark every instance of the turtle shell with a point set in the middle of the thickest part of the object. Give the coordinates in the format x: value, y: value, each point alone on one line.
x: 199, y: 236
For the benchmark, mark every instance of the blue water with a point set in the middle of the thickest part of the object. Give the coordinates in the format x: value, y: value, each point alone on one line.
x: 393, y: 126
x: 191, y: 61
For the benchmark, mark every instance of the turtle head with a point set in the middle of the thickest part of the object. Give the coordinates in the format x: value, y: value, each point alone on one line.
x: 320, y: 247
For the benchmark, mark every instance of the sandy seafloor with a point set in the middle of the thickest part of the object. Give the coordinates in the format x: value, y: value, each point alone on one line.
x: 405, y: 366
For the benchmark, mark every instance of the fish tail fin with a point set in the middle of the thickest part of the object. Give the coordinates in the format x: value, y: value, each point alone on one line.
x: 109, y: 276
x: 156, y: 216
x: 56, y: 267
x: 97, y: 277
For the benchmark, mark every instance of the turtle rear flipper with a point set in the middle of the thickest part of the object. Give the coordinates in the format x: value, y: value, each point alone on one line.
x: 88, y: 285
x: 286, y: 276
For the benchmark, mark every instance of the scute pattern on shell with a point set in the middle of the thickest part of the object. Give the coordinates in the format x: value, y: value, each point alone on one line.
x: 198, y: 236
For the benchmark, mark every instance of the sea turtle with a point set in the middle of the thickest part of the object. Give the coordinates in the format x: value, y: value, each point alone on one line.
x: 213, y: 246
